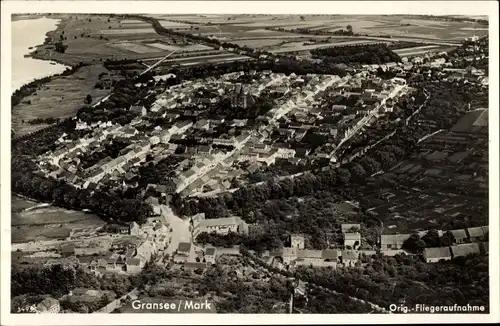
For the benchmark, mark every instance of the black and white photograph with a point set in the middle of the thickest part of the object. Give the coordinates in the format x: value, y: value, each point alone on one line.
x: 262, y: 158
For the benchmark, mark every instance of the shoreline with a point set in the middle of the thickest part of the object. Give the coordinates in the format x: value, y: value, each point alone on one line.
x: 32, y: 55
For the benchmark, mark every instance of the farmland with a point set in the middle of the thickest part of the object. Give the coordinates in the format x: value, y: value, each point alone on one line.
x: 59, y: 98
x: 47, y: 222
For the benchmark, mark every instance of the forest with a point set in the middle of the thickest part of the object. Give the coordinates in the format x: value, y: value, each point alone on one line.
x: 362, y: 54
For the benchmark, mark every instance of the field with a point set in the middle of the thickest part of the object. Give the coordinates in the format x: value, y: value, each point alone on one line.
x: 59, y: 98
x: 397, y: 26
x: 136, y: 47
x: 46, y: 223
x: 128, y: 31
x: 421, y: 50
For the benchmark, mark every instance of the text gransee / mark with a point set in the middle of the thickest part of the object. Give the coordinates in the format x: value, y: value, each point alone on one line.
x: 174, y: 305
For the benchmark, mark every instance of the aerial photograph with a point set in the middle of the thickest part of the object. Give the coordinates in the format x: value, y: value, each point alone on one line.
x: 249, y: 164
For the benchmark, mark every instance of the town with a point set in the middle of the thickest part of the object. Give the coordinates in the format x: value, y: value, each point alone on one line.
x: 354, y: 176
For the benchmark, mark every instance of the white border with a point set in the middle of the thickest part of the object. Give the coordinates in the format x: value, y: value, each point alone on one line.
x: 489, y: 8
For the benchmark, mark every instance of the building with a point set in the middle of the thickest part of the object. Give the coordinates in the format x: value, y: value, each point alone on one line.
x: 210, y: 255
x: 476, y: 234
x: 465, y: 249
x: 350, y: 258
x: 434, y: 255
x: 162, y: 242
x: 133, y: 265
x: 134, y: 229
x: 221, y: 225
x: 289, y: 255
x: 240, y: 97
x: 183, y: 252
x: 460, y: 236
x: 191, y: 266
x: 352, y: 240
x: 393, y: 241
x: 155, y: 204
x: 297, y: 241
x: 49, y: 305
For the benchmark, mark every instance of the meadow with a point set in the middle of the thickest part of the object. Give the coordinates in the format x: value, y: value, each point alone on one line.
x: 59, y: 98
x: 48, y: 222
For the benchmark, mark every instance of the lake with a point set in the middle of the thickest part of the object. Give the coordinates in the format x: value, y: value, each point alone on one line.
x: 25, y: 34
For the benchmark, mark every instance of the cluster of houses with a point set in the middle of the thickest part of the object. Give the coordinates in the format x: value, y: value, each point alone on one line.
x: 465, y: 241
x: 468, y: 241
x: 212, y: 168
x: 461, y: 236
x: 126, y: 254
x: 297, y: 255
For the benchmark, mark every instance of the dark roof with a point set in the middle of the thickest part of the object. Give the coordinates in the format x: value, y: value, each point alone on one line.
x: 210, y: 251
x: 184, y: 247
x: 350, y: 254
x: 465, y: 249
x: 440, y: 252
x: 194, y: 265
x: 330, y: 254
x: 133, y: 262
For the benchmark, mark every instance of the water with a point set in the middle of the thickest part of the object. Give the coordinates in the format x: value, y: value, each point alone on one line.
x: 25, y: 34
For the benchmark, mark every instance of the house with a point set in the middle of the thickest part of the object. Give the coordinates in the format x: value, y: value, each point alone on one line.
x: 349, y: 228
x: 393, y: 241
x: 352, y: 240
x: 204, y: 149
x: 111, y: 263
x: 155, y: 204
x: 134, y: 229
x: 289, y: 255
x: 465, y: 249
x: 210, y: 255
x: 48, y: 305
x: 460, y: 236
x: 133, y: 265
x: 183, y: 252
x: 434, y: 255
x: 191, y: 266
x: 146, y: 250
x: 221, y: 225
x: 297, y: 241
x: 349, y: 258
x: 309, y: 257
x: 476, y: 234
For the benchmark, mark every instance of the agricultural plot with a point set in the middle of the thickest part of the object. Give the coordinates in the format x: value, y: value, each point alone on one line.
x: 128, y: 31
x: 258, y: 43
x: 298, y: 46
x: 163, y: 46
x: 131, y: 21
x: 59, y: 98
x: 136, y: 47
x: 172, y: 24
x: 47, y: 223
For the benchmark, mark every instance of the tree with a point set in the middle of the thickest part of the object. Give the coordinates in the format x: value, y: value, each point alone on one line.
x: 88, y: 99
x: 432, y: 239
x: 302, y: 18
x: 349, y: 28
x: 414, y: 244
x: 60, y: 47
